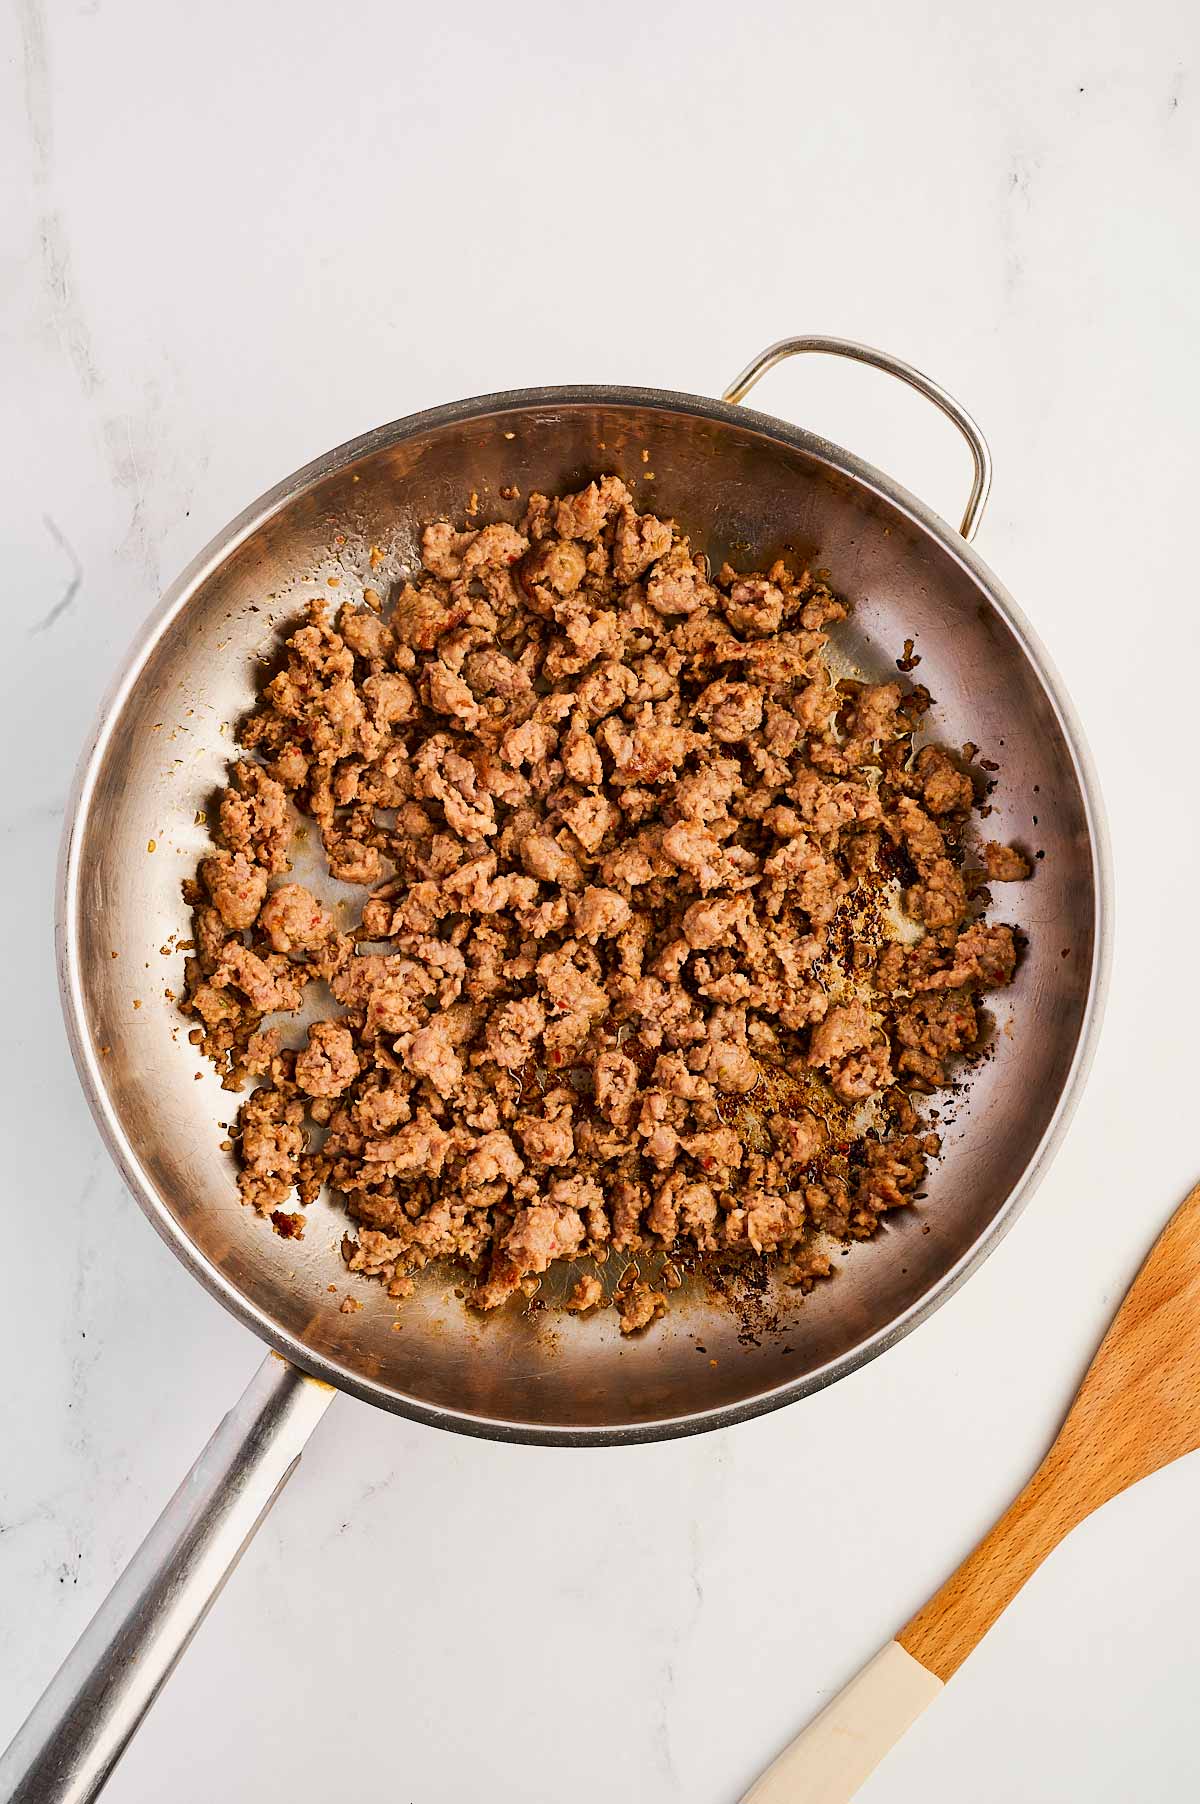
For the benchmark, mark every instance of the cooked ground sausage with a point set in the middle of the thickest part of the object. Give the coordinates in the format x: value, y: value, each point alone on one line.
x: 635, y: 855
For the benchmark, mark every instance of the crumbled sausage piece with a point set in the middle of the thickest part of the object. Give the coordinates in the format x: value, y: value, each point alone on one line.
x: 365, y: 633
x: 639, y: 1307
x: 798, y: 1139
x: 605, y: 690
x: 271, y: 1144
x: 494, y: 1157
x: 255, y: 818
x: 932, y: 1028
x: 294, y: 921
x: 844, y: 1030
x: 983, y: 955
x: 714, y: 923
x: 553, y: 570
x: 289, y: 767
x: 731, y: 710
x: 546, y: 1140
x: 1005, y: 864
x: 262, y: 1049
x: 543, y: 1232
x: 944, y: 788
x: 696, y: 851
x: 862, y: 1074
x: 923, y: 839
x: 600, y: 913
x: 585, y: 515
x: 754, y: 607
x: 491, y: 673
x: 543, y: 857
x: 590, y: 818
x: 875, y: 712
x: 422, y: 616
x: 430, y: 1054
x: 420, y: 1147
x: 447, y: 777
x: 442, y: 549
x: 236, y: 886
x: 391, y: 698
x: 495, y: 546
x: 328, y: 1064
x: 587, y: 1293
x: 268, y: 983
x: 581, y: 760
x: 732, y: 1068
x: 677, y: 586
x: 350, y: 860
x: 448, y: 694
x: 940, y: 898
x: 640, y: 540
x: 513, y: 1030
x: 615, y: 1078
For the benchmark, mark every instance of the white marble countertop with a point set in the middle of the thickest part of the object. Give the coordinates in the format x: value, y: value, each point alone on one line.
x: 238, y: 234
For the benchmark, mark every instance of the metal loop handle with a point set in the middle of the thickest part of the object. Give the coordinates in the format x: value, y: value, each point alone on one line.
x: 881, y: 360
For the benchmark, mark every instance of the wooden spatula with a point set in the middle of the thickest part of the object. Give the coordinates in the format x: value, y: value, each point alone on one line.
x: 1137, y: 1409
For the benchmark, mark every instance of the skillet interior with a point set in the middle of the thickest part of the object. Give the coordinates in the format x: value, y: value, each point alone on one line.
x: 743, y: 485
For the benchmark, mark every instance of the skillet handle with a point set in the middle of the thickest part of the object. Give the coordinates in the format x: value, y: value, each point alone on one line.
x: 881, y: 360
x: 79, y: 1728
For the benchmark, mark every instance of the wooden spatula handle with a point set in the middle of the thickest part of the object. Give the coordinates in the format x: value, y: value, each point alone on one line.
x: 831, y: 1758
x: 957, y: 1617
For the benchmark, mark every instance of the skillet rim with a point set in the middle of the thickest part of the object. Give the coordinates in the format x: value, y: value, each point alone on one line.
x: 175, y: 600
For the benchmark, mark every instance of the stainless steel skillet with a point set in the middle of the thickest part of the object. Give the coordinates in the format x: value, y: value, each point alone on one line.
x: 745, y: 485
